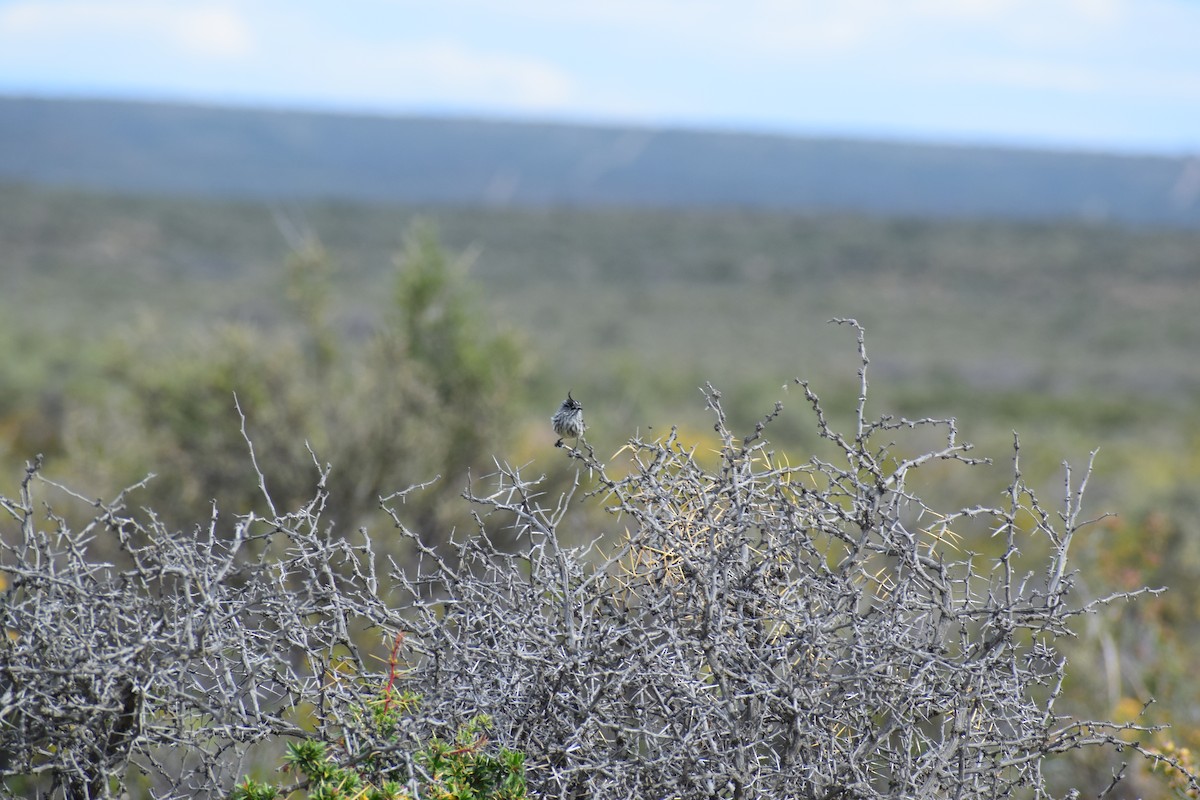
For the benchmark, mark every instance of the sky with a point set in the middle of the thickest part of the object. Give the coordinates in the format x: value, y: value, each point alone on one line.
x: 1113, y: 75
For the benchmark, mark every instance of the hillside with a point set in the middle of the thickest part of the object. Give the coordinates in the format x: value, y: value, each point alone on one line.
x: 226, y: 152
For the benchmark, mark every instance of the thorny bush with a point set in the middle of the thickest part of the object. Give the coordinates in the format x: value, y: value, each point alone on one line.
x: 754, y: 629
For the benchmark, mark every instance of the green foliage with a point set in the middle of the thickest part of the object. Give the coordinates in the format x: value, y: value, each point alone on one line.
x: 462, y: 769
x: 310, y: 272
x: 437, y: 324
x: 424, y: 395
x: 253, y: 790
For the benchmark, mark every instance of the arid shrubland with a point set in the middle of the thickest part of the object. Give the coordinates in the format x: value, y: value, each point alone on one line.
x: 756, y: 626
x: 423, y: 388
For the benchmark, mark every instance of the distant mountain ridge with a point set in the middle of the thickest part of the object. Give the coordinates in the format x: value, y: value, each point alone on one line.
x: 248, y: 153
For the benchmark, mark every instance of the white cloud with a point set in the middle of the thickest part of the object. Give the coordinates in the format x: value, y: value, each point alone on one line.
x: 267, y: 49
x: 887, y: 64
x: 449, y: 68
x: 1086, y: 11
x: 214, y: 31
x: 302, y: 62
x: 1032, y: 74
x: 199, y: 29
x: 924, y: 27
x: 796, y: 25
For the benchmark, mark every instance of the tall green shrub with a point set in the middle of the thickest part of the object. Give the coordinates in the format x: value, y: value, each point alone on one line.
x: 425, y: 394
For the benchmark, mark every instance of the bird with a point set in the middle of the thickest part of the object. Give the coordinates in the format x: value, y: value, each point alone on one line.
x: 568, y: 420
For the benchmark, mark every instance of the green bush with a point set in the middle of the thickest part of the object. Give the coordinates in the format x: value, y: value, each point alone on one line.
x: 382, y: 768
x: 424, y: 393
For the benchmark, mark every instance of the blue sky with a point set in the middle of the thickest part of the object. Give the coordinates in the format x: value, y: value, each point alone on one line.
x: 1093, y: 74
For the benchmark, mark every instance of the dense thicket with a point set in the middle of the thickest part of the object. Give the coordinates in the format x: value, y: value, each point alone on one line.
x: 750, y: 627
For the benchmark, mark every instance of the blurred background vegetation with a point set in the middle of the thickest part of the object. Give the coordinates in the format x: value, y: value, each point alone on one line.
x: 403, y: 343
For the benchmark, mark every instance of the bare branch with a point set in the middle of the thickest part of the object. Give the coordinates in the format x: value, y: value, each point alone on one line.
x: 749, y: 628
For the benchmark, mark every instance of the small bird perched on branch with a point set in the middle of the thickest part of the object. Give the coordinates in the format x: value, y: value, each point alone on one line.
x: 568, y: 420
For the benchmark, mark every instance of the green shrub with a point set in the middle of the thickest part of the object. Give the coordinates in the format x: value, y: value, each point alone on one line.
x: 426, y: 391
x: 462, y: 769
